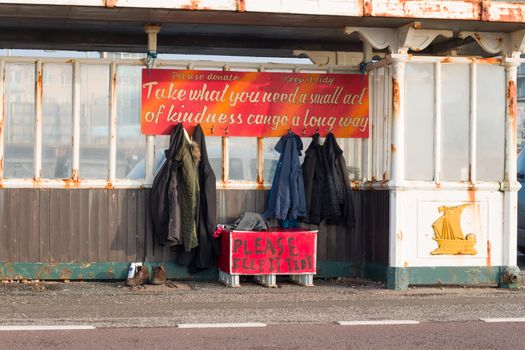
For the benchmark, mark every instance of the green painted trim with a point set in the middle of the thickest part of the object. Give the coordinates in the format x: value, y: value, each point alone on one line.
x: 375, y: 272
x: 454, y: 275
x: 119, y: 271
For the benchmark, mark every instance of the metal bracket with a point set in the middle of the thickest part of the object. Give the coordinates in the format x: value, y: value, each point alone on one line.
x: 379, y: 38
x: 517, y: 41
x: 399, y: 40
x: 489, y: 41
x: 416, y: 39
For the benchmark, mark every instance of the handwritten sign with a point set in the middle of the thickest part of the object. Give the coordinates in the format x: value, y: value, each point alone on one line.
x: 254, y: 103
x: 270, y: 252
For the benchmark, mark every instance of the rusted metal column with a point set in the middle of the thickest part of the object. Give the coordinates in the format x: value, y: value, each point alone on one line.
x: 398, y: 119
x: 2, y: 117
x: 112, y: 123
x: 510, y: 186
x: 76, y: 122
x: 260, y: 160
x: 473, y: 122
x: 397, y: 202
x: 437, y: 122
x: 38, y: 122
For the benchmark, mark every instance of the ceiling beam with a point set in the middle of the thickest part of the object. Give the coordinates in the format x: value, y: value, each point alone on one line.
x: 125, y: 42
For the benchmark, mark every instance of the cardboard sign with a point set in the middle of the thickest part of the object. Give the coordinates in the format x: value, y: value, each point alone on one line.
x: 270, y: 252
x: 254, y: 103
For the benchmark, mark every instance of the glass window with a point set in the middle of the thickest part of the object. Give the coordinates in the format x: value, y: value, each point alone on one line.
x: 57, y: 121
x: 19, y: 120
x: 271, y: 158
x: 243, y: 158
x: 419, y: 121
x: 131, y: 144
x: 455, y: 107
x: 490, y: 140
x: 377, y: 156
x: 94, y: 121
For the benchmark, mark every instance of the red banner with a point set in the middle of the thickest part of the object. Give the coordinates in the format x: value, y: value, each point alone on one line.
x: 272, y: 252
x: 254, y: 103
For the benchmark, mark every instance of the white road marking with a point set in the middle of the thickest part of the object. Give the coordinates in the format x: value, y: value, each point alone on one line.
x: 46, y: 328
x: 376, y: 322
x: 500, y: 320
x: 220, y: 325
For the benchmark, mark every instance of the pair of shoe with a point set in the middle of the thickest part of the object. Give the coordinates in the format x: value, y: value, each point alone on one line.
x: 142, y: 276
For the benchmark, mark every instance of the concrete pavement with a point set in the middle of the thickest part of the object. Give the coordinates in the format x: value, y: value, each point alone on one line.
x: 115, y: 305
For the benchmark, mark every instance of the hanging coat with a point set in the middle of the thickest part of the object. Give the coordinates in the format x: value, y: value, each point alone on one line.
x: 336, y: 201
x: 287, y: 197
x: 327, y: 185
x: 205, y: 255
x: 165, y: 213
x: 188, y: 155
x: 313, y: 180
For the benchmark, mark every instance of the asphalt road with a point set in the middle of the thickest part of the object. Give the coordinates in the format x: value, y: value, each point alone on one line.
x: 429, y: 335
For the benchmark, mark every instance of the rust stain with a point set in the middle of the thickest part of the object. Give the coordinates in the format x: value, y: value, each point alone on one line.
x: 399, y: 235
x: 373, y: 179
x: 395, y: 97
x: 111, y: 274
x: 74, y: 175
x: 241, y: 5
x: 472, y: 193
x: 393, y: 148
x: 489, y: 262
x: 405, y: 264
x: 65, y: 274
x: 109, y: 185
x: 71, y: 183
x: 367, y: 8
x: 446, y: 60
x: 503, y: 11
x: 512, y: 107
x: 193, y: 5
x: 110, y: 3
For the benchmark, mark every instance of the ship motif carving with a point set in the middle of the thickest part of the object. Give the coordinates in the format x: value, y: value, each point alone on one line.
x: 448, y: 234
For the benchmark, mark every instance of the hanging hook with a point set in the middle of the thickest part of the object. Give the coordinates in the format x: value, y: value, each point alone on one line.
x: 226, y: 131
x: 212, y: 129
x: 304, y: 131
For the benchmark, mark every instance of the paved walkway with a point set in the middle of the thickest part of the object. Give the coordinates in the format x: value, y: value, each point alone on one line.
x: 115, y: 305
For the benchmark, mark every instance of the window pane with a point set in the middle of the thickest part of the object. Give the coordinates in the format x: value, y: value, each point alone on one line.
x: 94, y: 120
x: 377, y: 156
x: 455, y: 87
x: 490, y: 140
x: 243, y: 158
x: 19, y: 122
x: 419, y: 121
x: 131, y: 144
x: 214, y: 148
x: 271, y: 158
x: 56, y: 121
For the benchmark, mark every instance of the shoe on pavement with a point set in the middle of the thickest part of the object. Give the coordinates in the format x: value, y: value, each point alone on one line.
x: 141, y: 276
x: 158, y: 276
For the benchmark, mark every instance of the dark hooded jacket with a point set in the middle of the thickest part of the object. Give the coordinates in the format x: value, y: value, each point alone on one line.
x: 287, y: 197
x: 165, y: 214
x: 313, y: 180
x: 205, y: 255
x: 327, y: 185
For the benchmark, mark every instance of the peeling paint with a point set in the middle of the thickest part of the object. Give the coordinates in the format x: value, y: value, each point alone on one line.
x: 512, y: 107
x: 396, y: 100
x: 110, y: 3
x: 241, y: 5
x: 489, y: 262
x: 503, y: 11
x: 193, y: 5
x: 439, y: 9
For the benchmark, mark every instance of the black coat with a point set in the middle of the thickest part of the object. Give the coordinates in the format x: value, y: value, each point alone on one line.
x: 327, y: 186
x: 313, y: 180
x: 159, y: 201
